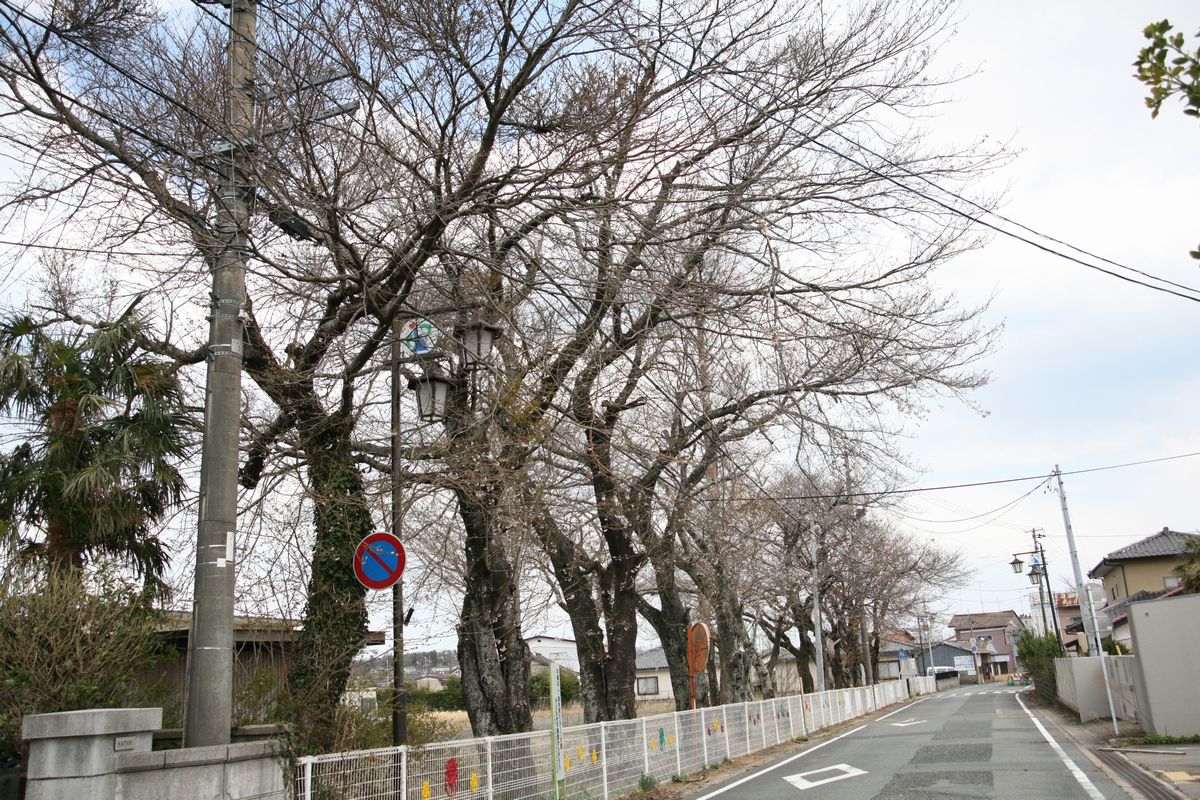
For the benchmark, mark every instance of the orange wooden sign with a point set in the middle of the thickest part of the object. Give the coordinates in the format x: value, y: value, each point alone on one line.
x: 697, y: 648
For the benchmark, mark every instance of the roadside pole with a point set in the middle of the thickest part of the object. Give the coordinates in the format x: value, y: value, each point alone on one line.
x: 818, y: 624
x: 209, y: 701
x: 399, y: 698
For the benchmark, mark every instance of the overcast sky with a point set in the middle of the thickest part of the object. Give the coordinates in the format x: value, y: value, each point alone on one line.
x: 1089, y: 371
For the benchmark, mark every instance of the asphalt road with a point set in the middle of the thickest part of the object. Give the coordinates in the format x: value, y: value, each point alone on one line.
x: 971, y: 742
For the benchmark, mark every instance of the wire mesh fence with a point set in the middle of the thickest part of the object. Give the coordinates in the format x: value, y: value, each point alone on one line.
x: 597, y: 762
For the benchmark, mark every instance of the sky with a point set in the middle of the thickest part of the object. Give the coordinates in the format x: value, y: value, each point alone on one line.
x: 1089, y: 371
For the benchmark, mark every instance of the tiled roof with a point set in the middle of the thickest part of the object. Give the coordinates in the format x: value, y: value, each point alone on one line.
x: 651, y: 659
x: 1164, y: 544
x: 982, y: 619
x: 1119, y: 608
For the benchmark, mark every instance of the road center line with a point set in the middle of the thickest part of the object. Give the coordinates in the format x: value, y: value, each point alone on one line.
x: 1088, y: 786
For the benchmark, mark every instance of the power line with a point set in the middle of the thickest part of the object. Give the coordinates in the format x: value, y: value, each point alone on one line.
x: 941, y: 204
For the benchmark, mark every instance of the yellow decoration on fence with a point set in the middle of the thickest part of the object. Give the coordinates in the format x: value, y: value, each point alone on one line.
x: 474, y: 782
x: 595, y: 756
x: 670, y: 740
x: 425, y: 790
x: 566, y: 763
x: 579, y: 751
x: 653, y: 745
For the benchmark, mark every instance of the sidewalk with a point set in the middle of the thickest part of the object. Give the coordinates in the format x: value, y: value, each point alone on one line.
x: 1177, y: 766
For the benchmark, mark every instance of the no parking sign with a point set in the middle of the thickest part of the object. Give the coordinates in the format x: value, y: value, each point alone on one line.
x: 379, y: 561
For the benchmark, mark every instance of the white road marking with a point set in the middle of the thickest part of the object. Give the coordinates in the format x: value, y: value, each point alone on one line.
x: 790, y: 759
x: 802, y: 782
x: 907, y: 723
x: 762, y: 772
x: 1088, y: 786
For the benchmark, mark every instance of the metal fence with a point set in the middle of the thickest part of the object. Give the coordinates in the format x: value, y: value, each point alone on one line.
x: 602, y: 760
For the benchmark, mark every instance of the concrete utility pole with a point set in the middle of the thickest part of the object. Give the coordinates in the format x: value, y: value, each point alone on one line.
x: 399, y: 700
x: 1085, y: 599
x: 818, y: 633
x: 929, y: 634
x: 865, y: 641
x: 209, y: 711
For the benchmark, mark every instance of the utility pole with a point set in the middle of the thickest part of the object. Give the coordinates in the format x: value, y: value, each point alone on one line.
x: 928, y: 635
x: 865, y: 642
x: 209, y: 712
x: 818, y: 624
x: 399, y: 699
x: 1049, y: 590
x: 1085, y: 599
x: 1042, y: 566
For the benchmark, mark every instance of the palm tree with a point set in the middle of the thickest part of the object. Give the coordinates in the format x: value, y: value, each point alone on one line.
x: 1189, y: 570
x: 103, y: 427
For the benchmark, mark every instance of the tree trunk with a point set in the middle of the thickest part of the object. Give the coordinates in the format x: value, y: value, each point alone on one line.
x: 335, y: 616
x: 492, y: 655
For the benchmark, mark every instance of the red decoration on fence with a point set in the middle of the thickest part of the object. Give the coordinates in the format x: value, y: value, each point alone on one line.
x: 451, y: 778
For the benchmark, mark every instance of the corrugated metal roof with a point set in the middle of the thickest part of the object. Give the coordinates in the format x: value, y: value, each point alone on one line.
x: 651, y: 659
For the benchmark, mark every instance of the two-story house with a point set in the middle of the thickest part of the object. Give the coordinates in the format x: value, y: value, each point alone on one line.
x: 1145, y: 566
x: 990, y: 630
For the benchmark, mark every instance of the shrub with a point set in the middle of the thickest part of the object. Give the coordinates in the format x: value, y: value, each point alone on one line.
x: 65, y: 646
x: 1037, y: 653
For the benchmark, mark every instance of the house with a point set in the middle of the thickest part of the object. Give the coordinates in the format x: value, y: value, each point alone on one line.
x: 944, y: 654
x: 653, y: 677
x: 994, y: 635
x: 1144, y: 566
x: 262, y: 659
x: 553, y: 648
x: 897, y: 657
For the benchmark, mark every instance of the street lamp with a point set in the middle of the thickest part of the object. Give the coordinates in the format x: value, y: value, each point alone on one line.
x: 1038, y: 573
x: 476, y: 339
x: 1016, y: 564
x: 433, y: 388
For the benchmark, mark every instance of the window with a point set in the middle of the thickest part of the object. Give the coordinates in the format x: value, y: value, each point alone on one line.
x: 647, y: 685
x: 1172, y: 581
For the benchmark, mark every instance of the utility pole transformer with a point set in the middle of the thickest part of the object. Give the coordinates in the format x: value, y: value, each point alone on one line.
x: 209, y: 712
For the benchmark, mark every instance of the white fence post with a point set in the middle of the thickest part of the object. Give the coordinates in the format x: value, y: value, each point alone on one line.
x: 678, y: 746
x: 308, y: 778
x: 762, y: 723
x: 725, y: 730
x: 491, y: 775
x: 603, y: 761
x: 404, y: 769
x: 645, y: 750
x: 704, y: 737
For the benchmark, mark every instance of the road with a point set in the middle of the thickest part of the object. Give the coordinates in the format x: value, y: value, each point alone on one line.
x: 971, y: 742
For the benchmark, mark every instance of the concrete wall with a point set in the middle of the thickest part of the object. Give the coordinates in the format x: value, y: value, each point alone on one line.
x: 104, y: 754
x: 1166, y: 643
x: 1081, y: 686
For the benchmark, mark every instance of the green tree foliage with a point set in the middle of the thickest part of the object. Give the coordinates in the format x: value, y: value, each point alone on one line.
x: 539, y: 686
x: 1169, y: 67
x: 65, y: 646
x: 105, y: 427
x: 1189, y: 570
x: 1037, y: 653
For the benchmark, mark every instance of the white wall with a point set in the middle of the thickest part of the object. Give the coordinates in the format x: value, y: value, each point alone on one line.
x: 1166, y: 644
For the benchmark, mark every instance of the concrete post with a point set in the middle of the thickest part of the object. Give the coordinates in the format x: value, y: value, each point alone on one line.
x: 73, y: 754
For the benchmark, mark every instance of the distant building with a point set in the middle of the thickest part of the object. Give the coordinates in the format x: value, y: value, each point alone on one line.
x: 993, y: 635
x: 653, y: 679
x: 558, y: 650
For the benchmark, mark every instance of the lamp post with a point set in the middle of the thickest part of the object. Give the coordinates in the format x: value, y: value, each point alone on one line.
x: 1039, y: 571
